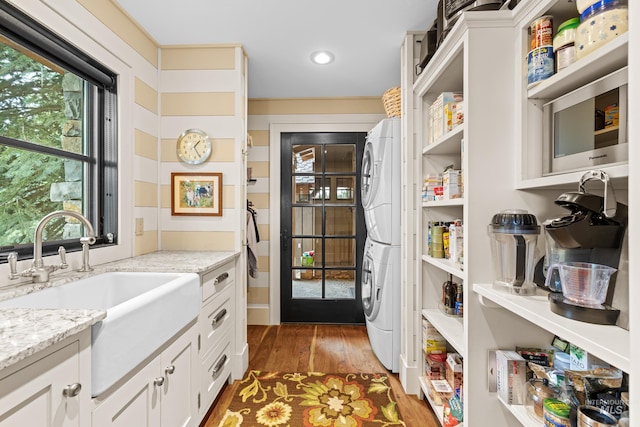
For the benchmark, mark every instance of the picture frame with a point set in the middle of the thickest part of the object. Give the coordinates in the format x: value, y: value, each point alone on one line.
x: 196, y: 193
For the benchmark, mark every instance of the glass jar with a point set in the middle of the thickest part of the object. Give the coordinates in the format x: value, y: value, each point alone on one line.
x: 537, y: 391
x: 599, y: 24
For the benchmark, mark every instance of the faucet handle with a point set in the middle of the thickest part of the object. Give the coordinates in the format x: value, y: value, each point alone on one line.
x: 63, y: 257
x: 12, y: 259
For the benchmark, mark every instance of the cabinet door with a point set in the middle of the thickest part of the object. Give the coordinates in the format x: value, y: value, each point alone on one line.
x: 135, y: 403
x: 33, y: 396
x: 179, y: 391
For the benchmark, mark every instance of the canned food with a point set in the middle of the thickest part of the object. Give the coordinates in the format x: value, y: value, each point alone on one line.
x: 540, y: 65
x: 556, y: 413
x: 542, y: 32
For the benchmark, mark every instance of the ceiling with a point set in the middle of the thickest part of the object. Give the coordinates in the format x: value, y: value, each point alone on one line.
x: 279, y: 36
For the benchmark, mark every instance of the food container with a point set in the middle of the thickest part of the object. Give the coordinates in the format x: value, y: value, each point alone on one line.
x: 540, y: 65
x: 582, y: 5
x: 564, y: 43
x: 542, y: 31
x: 435, y: 368
x: 599, y: 24
x: 590, y: 416
x: 555, y: 413
x: 537, y: 391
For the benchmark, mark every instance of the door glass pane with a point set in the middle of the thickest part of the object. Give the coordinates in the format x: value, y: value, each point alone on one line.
x: 340, y: 157
x: 340, y: 252
x: 340, y: 284
x: 306, y: 221
x: 306, y: 252
x: 345, y: 189
x: 309, y: 189
x: 341, y: 221
x: 307, y: 158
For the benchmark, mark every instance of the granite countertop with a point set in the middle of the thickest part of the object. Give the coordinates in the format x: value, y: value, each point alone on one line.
x: 25, y: 331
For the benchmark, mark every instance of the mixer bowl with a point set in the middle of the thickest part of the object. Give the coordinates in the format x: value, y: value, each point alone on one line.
x: 583, y: 283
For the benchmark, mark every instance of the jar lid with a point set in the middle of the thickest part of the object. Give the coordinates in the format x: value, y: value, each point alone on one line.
x: 556, y: 407
x: 603, y: 4
x: 569, y: 23
x: 514, y: 221
x: 542, y: 388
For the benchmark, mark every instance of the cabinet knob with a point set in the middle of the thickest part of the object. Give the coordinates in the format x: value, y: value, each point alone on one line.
x: 72, y: 390
x: 158, y: 381
x: 170, y: 369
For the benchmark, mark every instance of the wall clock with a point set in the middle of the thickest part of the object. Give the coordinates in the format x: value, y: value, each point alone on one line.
x: 193, y: 147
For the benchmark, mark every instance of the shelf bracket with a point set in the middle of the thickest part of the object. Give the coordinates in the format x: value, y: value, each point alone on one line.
x: 485, y: 302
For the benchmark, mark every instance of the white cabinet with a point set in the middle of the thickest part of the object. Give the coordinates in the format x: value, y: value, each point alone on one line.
x: 51, y: 390
x: 162, y: 393
x: 216, y: 326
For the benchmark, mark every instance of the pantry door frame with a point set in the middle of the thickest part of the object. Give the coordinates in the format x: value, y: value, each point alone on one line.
x: 363, y: 123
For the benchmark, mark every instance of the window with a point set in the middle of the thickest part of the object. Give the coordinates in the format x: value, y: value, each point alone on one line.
x: 58, y: 147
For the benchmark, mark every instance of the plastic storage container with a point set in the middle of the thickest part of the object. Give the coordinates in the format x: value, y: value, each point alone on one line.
x: 599, y: 24
x: 582, y: 5
x: 564, y: 43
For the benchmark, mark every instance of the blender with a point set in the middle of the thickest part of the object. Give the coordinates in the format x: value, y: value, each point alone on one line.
x: 593, y: 233
x: 514, y: 234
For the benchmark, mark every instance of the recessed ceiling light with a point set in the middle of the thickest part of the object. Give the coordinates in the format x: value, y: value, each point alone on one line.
x: 322, y: 57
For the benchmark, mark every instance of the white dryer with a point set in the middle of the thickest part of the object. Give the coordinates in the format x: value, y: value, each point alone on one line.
x: 381, y: 301
x: 381, y: 182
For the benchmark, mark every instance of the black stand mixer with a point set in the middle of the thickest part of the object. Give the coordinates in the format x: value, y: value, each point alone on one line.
x: 592, y: 232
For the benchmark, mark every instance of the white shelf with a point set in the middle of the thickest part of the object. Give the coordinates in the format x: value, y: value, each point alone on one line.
x: 522, y: 414
x: 440, y: 203
x: 607, y: 59
x: 609, y: 343
x: 450, y: 327
x: 449, y: 143
x: 437, y: 409
x: 444, y: 264
x: 618, y: 174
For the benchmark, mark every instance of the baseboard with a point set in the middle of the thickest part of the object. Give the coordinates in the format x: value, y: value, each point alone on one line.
x: 409, y: 377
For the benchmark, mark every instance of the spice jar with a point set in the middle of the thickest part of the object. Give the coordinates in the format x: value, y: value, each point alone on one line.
x: 564, y: 43
x: 599, y: 24
x: 537, y: 391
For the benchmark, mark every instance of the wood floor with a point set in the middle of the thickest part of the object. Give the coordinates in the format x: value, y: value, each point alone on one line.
x: 320, y: 348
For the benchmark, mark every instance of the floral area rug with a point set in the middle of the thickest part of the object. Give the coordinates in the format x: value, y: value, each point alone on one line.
x: 312, y: 399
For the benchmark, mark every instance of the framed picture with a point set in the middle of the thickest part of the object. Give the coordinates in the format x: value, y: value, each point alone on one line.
x: 194, y: 193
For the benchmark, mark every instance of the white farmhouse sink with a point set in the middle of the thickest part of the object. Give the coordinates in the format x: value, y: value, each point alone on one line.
x: 144, y: 310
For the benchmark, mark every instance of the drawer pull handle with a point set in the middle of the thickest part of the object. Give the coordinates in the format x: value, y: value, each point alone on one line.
x: 218, y: 368
x: 170, y: 369
x: 219, y: 317
x: 220, y: 278
x: 158, y: 381
x: 72, y: 390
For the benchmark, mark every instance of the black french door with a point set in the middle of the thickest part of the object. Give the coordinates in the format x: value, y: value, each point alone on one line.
x: 322, y: 227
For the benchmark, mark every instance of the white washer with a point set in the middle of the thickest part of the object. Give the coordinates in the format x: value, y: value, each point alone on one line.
x: 381, y: 301
x: 381, y: 182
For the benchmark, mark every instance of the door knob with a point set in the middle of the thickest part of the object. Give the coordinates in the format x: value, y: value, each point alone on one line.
x: 158, y: 381
x: 170, y: 369
x: 72, y: 390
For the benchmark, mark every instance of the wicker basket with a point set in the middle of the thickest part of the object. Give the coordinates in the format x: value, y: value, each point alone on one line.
x: 391, y: 101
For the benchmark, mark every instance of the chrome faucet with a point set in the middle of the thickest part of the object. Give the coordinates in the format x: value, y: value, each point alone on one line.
x: 39, y: 272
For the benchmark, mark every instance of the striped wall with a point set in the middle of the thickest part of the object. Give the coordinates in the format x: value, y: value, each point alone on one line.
x: 203, y: 87
x: 264, y: 114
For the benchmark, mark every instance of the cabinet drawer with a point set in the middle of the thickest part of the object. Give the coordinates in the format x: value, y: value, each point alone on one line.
x: 216, y: 369
x: 215, y: 320
x: 215, y: 281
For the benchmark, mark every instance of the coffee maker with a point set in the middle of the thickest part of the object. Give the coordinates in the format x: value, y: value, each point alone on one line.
x: 592, y: 232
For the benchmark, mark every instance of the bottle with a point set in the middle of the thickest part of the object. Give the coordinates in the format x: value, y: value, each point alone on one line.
x: 458, y: 306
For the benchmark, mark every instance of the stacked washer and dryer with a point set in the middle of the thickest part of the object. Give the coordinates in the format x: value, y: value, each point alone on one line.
x: 381, y: 187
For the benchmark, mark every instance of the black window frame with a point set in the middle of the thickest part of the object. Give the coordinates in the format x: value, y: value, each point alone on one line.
x: 101, y: 100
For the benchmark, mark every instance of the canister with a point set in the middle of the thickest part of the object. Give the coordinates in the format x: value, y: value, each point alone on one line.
x: 599, y: 24
x: 556, y: 413
x: 591, y: 416
x: 564, y: 43
x: 542, y: 31
x: 540, y: 65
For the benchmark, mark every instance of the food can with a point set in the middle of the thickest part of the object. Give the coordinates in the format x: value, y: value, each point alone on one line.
x: 540, y: 65
x: 564, y: 43
x: 542, y: 32
x: 556, y: 413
